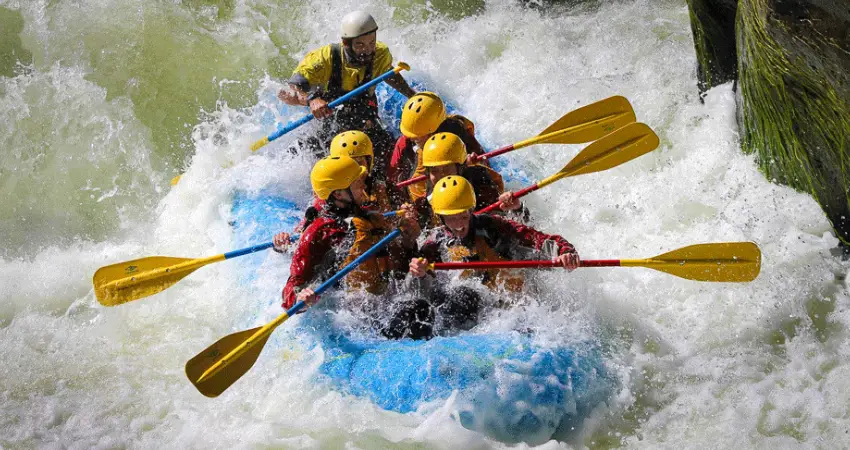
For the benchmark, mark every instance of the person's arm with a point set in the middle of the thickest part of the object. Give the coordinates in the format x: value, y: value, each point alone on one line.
x: 315, y: 243
x: 395, y: 167
x: 518, y: 235
x: 300, y: 95
x: 429, y: 253
x: 567, y: 256
x: 402, y: 251
x: 297, y: 93
x: 281, y: 241
x: 398, y: 83
x: 307, y: 81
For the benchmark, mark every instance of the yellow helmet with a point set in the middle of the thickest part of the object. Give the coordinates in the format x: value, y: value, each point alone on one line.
x: 443, y: 148
x: 422, y: 114
x: 334, y: 173
x: 452, y: 195
x: 353, y: 144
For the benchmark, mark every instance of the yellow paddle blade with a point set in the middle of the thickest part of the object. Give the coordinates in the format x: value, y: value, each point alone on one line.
x: 259, y: 144
x: 589, y: 122
x: 215, y: 384
x: 176, y: 180
x: 732, y: 262
x: 623, y: 145
x: 139, y: 278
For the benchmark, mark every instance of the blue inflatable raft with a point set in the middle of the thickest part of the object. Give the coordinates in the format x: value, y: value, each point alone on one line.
x: 508, y: 386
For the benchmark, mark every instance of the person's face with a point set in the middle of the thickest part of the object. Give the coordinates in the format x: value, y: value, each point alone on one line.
x: 438, y: 172
x: 357, y: 194
x: 358, y: 189
x: 458, y: 224
x: 364, y: 46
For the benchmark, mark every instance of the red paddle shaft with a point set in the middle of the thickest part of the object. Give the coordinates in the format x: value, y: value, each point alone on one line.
x: 483, y: 157
x: 520, y: 264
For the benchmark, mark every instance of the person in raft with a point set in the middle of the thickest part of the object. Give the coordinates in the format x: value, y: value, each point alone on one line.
x: 332, y: 71
x: 423, y: 115
x: 444, y: 155
x: 357, y: 146
x: 464, y: 236
x: 344, y: 230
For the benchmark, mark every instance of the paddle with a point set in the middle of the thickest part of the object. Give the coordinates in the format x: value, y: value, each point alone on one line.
x: 731, y: 262
x: 585, y: 124
x: 623, y: 145
x: 297, y: 123
x: 217, y: 367
x: 131, y: 280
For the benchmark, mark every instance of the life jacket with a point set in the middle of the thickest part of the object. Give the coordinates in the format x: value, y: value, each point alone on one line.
x: 481, y: 250
x: 334, y: 239
x: 356, y: 111
x: 370, y: 275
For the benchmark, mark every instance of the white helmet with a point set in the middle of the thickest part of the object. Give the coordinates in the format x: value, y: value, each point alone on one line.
x: 356, y: 24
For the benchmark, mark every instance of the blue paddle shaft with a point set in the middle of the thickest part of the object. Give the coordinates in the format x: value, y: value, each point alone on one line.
x: 297, y: 123
x: 248, y: 250
x: 345, y: 270
x: 260, y: 247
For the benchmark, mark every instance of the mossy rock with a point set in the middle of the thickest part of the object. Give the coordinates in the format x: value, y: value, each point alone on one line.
x: 794, y: 82
x: 713, y: 28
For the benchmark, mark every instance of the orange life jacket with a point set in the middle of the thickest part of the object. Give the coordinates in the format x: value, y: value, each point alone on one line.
x: 370, y: 275
x: 494, y: 279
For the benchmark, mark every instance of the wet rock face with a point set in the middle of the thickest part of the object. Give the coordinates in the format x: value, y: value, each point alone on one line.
x: 793, y: 73
x: 713, y: 26
x: 818, y: 32
x: 793, y: 62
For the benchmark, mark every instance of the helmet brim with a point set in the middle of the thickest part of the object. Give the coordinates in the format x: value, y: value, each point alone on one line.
x: 405, y: 131
x: 451, y: 212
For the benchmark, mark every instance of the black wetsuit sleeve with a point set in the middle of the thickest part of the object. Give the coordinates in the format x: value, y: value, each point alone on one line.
x: 430, y: 249
x: 300, y: 82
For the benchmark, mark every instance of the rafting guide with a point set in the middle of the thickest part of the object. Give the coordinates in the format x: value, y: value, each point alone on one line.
x: 332, y: 71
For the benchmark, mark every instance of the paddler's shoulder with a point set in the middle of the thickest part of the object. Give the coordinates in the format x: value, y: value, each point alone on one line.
x: 383, y: 60
x: 315, y: 60
x: 323, y: 51
x: 326, y: 221
x: 381, y: 48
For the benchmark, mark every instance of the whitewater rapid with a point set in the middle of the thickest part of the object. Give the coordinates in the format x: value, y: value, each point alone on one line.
x: 119, y: 94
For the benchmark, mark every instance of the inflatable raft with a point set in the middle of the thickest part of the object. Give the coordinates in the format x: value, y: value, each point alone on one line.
x: 508, y: 386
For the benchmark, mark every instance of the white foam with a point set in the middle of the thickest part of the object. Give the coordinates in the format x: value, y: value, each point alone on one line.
x: 699, y: 362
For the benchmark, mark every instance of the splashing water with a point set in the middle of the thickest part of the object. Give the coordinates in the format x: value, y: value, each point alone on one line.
x: 113, y: 97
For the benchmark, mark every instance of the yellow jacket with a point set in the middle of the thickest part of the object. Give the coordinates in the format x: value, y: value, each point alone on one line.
x: 316, y: 67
